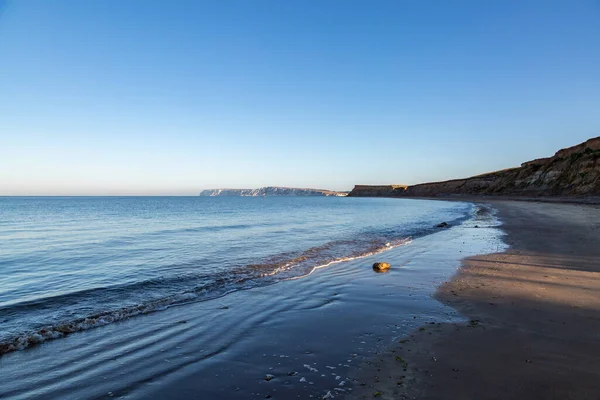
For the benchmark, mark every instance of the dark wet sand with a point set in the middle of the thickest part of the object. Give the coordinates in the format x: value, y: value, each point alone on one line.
x: 534, y: 318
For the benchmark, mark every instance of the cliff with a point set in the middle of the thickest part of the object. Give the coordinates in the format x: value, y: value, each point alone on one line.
x: 271, y: 191
x: 574, y: 171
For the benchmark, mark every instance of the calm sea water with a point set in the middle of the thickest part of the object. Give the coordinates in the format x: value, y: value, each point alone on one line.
x: 69, y: 264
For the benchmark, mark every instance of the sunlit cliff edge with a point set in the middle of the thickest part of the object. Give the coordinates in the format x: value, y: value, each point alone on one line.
x: 574, y: 171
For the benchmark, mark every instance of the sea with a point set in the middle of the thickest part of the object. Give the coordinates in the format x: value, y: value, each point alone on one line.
x: 69, y: 264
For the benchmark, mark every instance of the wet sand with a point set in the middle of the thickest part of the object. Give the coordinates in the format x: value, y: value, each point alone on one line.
x: 533, y: 318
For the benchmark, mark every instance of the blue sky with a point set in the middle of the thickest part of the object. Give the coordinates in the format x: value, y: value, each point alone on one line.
x: 143, y: 97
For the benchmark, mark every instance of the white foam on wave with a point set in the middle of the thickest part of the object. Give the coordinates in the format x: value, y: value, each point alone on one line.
x: 64, y: 329
x: 388, y: 246
x: 61, y: 330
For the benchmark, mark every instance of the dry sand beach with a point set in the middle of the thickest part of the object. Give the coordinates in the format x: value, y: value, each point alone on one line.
x: 534, y: 318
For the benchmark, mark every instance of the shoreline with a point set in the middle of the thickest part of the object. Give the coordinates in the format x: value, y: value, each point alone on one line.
x: 584, y: 200
x: 532, y: 317
x: 309, y: 334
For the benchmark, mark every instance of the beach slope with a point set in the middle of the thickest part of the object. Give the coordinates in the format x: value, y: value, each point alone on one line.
x: 532, y: 328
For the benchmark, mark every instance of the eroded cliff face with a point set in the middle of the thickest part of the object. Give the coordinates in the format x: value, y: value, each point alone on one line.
x: 574, y: 171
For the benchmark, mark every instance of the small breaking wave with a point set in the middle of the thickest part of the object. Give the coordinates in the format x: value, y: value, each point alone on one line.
x: 57, y: 331
x: 387, y: 246
x: 255, y: 275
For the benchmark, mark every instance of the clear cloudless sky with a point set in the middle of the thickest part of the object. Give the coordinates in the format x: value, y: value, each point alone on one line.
x: 171, y: 97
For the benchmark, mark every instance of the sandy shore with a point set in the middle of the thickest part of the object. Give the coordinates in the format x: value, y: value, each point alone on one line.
x: 534, y: 318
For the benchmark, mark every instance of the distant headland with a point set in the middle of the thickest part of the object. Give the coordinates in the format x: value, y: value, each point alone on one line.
x: 271, y: 191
